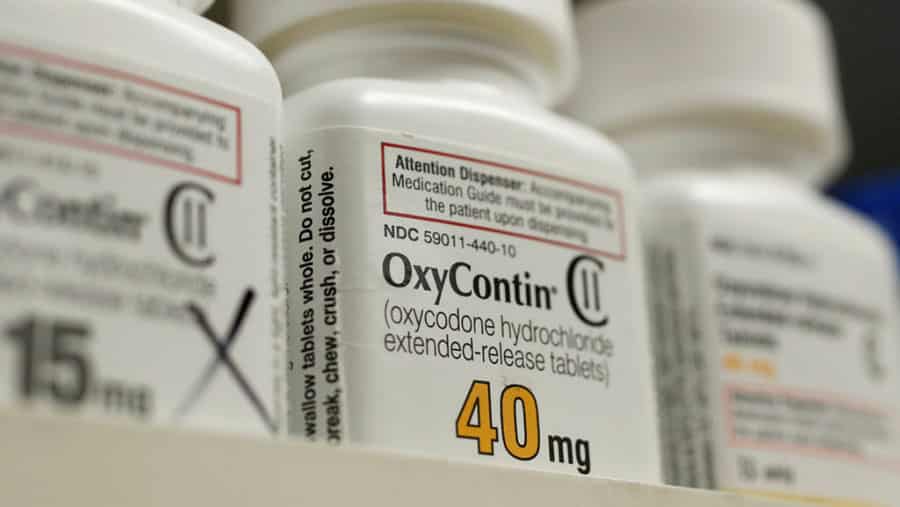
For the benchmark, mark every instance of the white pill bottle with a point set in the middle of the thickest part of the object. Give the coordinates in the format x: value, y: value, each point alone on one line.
x: 464, y: 275
x: 773, y: 307
x: 139, y: 215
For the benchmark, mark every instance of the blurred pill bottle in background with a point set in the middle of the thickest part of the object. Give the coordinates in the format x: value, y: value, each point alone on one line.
x: 139, y: 158
x: 464, y: 270
x: 773, y: 308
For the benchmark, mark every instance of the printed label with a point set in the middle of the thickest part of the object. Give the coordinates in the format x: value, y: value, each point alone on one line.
x: 464, y: 305
x: 488, y: 196
x: 139, y: 232
x: 795, y: 347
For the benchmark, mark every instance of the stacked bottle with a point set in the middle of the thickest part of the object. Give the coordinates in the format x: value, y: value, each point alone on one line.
x: 773, y: 308
x: 464, y: 274
x: 139, y: 156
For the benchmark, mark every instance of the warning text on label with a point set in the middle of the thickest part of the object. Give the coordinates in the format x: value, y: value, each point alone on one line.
x: 58, y: 100
x: 504, y: 199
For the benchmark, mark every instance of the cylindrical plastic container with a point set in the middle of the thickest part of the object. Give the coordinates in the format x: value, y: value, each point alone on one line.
x: 463, y: 272
x: 139, y: 215
x: 773, y: 308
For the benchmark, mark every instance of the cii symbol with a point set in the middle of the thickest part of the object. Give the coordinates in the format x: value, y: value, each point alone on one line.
x: 584, y: 287
x: 187, y: 223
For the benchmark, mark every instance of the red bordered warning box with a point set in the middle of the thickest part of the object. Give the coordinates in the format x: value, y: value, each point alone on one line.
x: 231, y: 172
x: 613, y: 248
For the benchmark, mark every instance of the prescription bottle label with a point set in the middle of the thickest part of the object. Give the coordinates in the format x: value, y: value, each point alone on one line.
x: 464, y: 304
x: 139, y: 237
x: 777, y: 357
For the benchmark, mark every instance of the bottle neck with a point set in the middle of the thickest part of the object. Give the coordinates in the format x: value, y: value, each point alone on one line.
x: 424, y: 52
x: 740, y: 151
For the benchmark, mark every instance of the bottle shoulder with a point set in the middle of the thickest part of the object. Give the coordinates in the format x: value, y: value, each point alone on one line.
x: 443, y: 112
x: 774, y: 202
x: 150, y: 36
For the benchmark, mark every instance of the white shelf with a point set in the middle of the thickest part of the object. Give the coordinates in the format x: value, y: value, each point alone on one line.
x: 55, y: 461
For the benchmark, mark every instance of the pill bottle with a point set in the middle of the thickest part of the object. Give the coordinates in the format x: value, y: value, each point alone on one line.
x: 139, y: 216
x: 772, y: 307
x: 464, y: 275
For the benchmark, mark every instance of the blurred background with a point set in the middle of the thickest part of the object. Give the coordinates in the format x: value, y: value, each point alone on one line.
x: 869, y: 54
x: 868, y: 50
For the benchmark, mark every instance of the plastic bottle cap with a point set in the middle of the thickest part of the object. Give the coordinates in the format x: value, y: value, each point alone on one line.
x: 541, y: 27
x: 753, y: 62
x: 198, y: 6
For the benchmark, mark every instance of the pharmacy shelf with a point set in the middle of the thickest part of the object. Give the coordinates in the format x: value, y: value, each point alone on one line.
x: 52, y: 461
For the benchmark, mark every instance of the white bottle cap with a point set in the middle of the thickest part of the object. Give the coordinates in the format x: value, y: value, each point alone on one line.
x: 542, y: 28
x: 751, y: 64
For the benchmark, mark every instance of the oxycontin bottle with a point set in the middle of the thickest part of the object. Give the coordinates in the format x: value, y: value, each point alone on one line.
x: 773, y: 308
x: 464, y: 275
x: 139, y: 215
